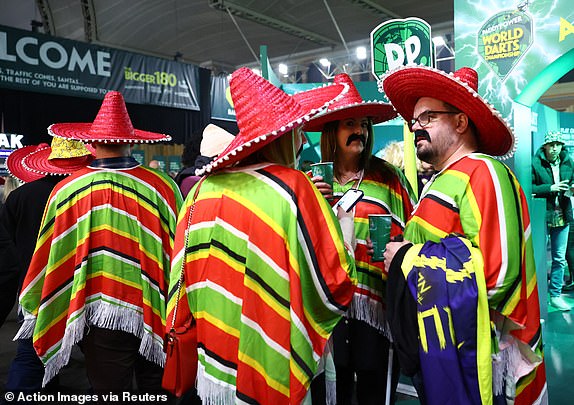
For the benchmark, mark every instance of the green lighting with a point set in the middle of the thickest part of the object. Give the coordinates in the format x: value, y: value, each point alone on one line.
x: 542, y: 82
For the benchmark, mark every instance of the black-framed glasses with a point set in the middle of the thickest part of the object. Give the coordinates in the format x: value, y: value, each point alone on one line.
x: 424, y: 118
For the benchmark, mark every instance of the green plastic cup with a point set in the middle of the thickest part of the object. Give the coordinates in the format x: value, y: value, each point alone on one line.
x: 325, y: 170
x: 380, y: 234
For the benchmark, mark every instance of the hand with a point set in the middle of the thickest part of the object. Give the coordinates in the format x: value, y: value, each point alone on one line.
x: 392, y: 248
x: 370, y: 249
x: 324, y: 188
x: 560, y: 186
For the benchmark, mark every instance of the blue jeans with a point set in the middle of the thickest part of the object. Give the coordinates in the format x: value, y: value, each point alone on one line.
x: 558, y: 244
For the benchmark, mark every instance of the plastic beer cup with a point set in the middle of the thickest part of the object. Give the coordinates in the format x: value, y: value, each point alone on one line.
x: 380, y: 234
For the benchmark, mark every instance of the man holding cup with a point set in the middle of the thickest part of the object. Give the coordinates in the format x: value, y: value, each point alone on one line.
x: 469, y: 238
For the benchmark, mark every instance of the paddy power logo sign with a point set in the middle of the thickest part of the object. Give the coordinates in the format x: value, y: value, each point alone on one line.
x: 504, y: 39
x: 401, y: 42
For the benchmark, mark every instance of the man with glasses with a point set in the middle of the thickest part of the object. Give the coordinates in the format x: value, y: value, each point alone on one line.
x: 467, y: 257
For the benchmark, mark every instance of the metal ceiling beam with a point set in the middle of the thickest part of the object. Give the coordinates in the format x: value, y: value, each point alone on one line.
x: 376, y: 8
x: 280, y: 25
x: 90, y: 25
x: 47, y: 19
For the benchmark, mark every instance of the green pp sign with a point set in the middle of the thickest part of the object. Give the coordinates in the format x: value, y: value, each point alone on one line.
x: 401, y: 42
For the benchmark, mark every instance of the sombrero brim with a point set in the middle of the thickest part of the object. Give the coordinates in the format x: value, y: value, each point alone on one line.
x: 245, y: 144
x: 405, y: 85
x: 38, y: 162
x: 377, y: 111
x: 82, y: 132
x: 15, y: 167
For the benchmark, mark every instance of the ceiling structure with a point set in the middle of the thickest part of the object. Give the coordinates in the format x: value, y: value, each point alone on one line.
x: 223, y: 35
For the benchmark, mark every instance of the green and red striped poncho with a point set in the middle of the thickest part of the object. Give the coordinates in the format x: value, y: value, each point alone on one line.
x: 267, y: 278
x: 102, y: 258
x: 480, y: 198
x: 386, y: 192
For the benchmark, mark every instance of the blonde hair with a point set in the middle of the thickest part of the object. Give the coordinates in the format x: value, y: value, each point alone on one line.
x: 280, y: 151
x: 394, y: 153
x: 11, y: 184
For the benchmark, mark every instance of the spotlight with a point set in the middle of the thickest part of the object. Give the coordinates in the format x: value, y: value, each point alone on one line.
x: 361, y: 53
x: 283, y: 69
x: 325, y: 62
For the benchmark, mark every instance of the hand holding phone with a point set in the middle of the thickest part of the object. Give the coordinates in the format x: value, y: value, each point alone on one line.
x: 350, y: 199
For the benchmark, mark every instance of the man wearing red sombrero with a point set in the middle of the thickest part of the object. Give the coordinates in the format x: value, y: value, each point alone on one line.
x: 360, y: 343
x: 266, y: 272
x: 100, y: 271
x: 467, y: 255
x: 40, y: 167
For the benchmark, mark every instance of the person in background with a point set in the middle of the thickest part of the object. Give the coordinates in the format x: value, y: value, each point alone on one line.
x: 393, y: 153
x: 360, y: 341
x: 154, y: 164
x: 40, y: 168
x: 466, y: 262
x: 188, y: 156
x: 266, y: 272
x: 100, y: 271
x: 553, y: 180
x: 214, y: 141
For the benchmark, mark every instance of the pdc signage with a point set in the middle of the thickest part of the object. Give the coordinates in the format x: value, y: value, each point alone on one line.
x: 41, y: 63
x: 401, y: 42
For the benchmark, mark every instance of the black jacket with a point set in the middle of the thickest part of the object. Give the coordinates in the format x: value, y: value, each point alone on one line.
x: 542, y: 179
x: 20, y: 222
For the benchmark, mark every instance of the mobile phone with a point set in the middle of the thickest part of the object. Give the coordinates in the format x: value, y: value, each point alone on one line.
x: 350, y: 199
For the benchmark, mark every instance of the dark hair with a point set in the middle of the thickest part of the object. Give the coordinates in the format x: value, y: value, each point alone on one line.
x: 190, y: 153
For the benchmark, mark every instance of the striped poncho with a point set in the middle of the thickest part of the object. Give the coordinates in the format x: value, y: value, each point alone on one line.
x: 479, y: 197
x: 386, y: 192
x: 267, y: 278
x: 102, y: 258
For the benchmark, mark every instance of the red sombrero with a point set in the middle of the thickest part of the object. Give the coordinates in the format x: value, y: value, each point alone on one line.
x: 406, y: 84
x: 62, y: 158
x: 15, y: 167
x: 112, y: 124
x: 265, y: 112
x: 349, y: 106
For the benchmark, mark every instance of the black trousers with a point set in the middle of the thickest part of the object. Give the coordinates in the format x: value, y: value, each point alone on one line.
x: 112, y: 362
x: 361, y: 351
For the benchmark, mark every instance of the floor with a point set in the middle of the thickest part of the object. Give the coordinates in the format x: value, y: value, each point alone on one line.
x: 558, y: 338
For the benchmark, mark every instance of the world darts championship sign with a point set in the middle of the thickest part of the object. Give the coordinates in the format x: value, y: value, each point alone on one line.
x: 504, y: 39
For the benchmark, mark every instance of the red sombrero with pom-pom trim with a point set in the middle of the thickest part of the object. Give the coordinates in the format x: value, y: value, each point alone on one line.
x: 264, y: 113
x: 405, y: 85
x: 351, y: 105
x: 111, y: 125
x: 15, y: 167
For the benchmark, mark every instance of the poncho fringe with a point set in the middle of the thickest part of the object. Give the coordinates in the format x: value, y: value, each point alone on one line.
x: 102, y: 315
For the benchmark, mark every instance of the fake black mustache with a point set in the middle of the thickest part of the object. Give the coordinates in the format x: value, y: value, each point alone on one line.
x: 354, y: 137
x: 421, y: 134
